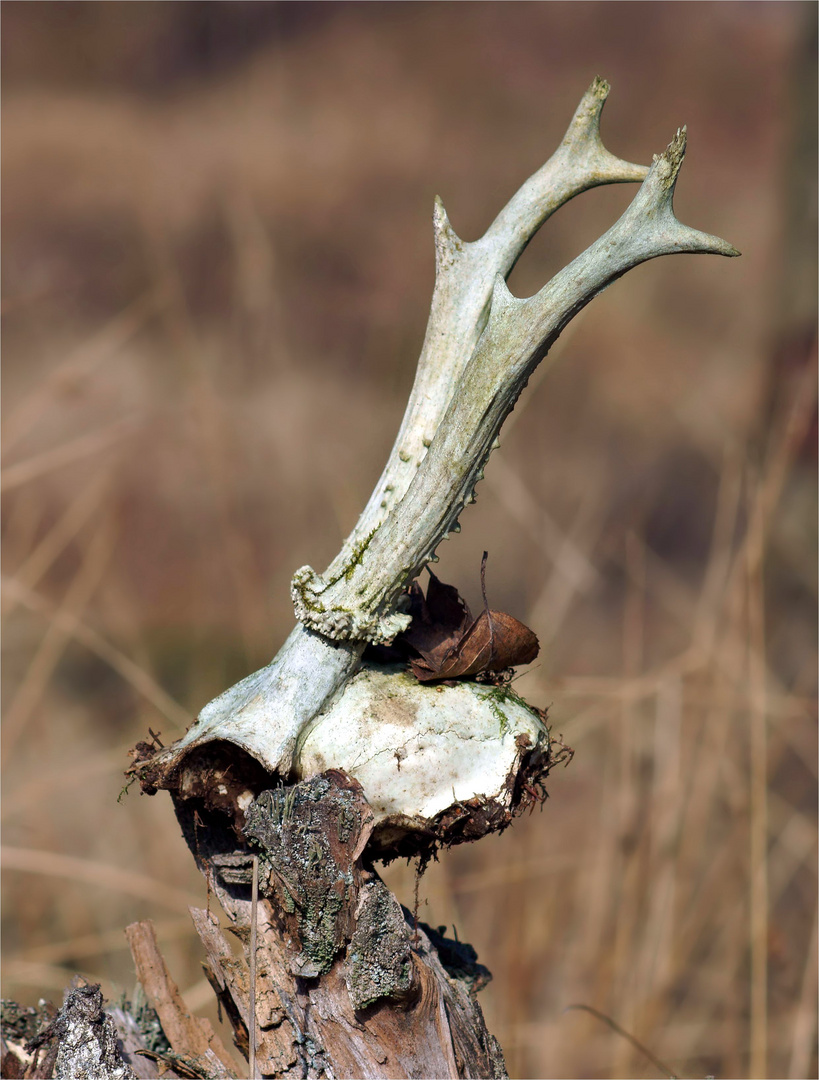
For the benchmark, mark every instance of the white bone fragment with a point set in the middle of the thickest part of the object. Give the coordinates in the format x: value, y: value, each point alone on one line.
x: 416, y: 749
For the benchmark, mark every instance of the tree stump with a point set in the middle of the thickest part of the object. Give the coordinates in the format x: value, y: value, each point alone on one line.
x: 347, y: 982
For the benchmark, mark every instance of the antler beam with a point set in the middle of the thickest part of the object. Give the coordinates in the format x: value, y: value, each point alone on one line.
x: 358, y: 595
x: 464, y: 279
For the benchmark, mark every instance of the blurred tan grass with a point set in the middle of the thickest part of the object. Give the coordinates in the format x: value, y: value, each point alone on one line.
x: 651, y: 513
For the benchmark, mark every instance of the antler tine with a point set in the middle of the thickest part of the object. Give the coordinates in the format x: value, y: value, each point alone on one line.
x: 579, y: 163
x: 361, y: 601
x: 464, y: 280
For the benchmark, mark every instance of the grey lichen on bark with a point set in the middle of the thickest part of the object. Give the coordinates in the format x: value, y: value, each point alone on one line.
x: 308, y: 861
x: 379, y: 956
x: 86, y: 1038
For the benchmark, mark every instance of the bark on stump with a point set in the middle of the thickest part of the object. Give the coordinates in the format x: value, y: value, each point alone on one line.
x: 347, y: 985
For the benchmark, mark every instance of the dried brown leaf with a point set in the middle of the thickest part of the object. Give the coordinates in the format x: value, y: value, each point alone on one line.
x: 451, y: 645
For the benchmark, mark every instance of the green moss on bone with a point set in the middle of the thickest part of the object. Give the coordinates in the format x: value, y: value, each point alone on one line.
x: 309, y: 601
x: 496, y: 697
x: 355, y: 559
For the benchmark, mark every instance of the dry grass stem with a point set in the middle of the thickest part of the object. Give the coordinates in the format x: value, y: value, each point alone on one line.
x: 134, y: 675
x: 32, y: 861
x: 80, y: 365
x: 87, y: 445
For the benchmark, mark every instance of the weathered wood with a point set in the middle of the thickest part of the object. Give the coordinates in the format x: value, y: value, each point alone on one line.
x: 133, y: 1044
x: 189, y: 1036
x: 81, y: 1042
x: 347, y: 985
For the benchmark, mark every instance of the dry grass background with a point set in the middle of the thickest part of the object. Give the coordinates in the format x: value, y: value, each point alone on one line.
x: 217, y: 263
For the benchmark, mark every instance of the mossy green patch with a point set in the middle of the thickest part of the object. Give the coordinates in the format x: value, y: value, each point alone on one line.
x: 358, y: 554
x: 496, y: 697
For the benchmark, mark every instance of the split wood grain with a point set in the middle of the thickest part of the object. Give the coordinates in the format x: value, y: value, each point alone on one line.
x: 190, y: 1036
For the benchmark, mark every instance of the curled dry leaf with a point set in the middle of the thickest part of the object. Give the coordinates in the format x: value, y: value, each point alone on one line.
x: 452, y: 645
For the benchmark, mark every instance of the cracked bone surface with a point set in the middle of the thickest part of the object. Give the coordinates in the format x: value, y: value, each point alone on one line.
x: 418, y: 750
x: 304, y: 710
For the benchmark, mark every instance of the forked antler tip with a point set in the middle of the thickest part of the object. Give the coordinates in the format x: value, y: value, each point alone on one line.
x: 482, y: 344
x: 658, y: 189
x: 583, y: 140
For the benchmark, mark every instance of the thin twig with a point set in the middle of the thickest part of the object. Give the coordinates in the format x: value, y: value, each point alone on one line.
x: 92, y: 442
x: 132, y: 673
x: 417, y: 901
x: 486, y: 607
x: 620, y: 1031
x: 254, y: 907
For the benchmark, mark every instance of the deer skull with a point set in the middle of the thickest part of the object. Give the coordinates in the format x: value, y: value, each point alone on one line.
x: 419, y: 750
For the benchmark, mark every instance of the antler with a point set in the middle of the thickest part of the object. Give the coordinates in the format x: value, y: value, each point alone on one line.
x: 464, y: 279
x: 461, y: 399
x: 481, y: 346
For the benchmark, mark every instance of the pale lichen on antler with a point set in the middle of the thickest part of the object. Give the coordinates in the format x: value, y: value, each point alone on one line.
x: 481, y: 346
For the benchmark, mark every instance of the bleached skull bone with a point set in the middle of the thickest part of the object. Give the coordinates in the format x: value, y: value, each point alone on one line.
x: 418, y: 750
